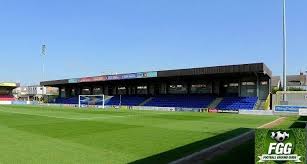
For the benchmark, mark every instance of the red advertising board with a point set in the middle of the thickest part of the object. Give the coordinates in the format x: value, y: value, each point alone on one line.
x: 212, y: 110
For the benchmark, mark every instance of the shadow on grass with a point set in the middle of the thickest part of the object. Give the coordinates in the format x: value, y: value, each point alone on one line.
x: 302, y: 118
x: 300, y: 123
x: 179, y: 152
x: 244, y: 153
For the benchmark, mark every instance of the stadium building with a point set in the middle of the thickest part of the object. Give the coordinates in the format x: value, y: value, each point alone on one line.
x: 6, y: 92
x: 293, y: 81
x: 34, y: 93
x: 228, y: 87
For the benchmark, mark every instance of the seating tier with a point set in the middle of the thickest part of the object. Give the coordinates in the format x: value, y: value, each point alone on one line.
x: 236, y: 103
x: 184, y: 101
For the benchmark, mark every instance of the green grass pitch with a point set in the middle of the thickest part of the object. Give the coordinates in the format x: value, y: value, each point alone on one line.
x: 41, y: 134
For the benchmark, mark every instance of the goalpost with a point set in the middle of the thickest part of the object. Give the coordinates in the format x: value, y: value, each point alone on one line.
x: 95, y: 100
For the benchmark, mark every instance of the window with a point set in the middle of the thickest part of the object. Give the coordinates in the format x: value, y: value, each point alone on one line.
x: 175, y: 86
x: 141, y: 87
x: 248, y: 83
x: 97, y: 90
x: 264, y: 83
x: 172, y: 86
x: 234, y: 84
x: 86, y: 91
x: 200, y: 88
x: 121, y: 88
x: 177, y: 89
x: 250, y: 90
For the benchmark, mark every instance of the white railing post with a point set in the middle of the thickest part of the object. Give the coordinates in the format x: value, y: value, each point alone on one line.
x: 103, y: 101
x: 79, y: 101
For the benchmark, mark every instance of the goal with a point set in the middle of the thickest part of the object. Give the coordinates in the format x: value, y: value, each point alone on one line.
x: 91, y: 100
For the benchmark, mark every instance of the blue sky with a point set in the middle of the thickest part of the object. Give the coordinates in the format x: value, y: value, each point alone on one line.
x: 93, y: 37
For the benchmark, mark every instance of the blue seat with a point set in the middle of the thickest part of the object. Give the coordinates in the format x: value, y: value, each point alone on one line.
x: 126, y: 100
x: 236, y: 103
x: 184, y: 101
x: 72, y: 100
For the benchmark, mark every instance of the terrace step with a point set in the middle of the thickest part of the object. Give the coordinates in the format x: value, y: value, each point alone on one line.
x: 146, y: 101
x: 215, y: 103
x: 259, y: 105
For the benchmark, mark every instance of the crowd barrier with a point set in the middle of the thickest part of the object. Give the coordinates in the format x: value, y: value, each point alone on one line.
x: 5, y: 102
x: 256, y: 112
x: 18, y: 102
x: 171, y: 109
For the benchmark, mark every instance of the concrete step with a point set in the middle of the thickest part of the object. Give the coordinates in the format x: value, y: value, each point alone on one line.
x: 259, y: 105
x: 215, y: 102
x: 146, y: 101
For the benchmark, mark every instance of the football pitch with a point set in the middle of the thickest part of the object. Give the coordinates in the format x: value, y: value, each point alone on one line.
x: 41, y: 134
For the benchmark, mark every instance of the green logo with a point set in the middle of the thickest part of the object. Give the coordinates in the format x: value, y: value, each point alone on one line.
x: 280, y: 145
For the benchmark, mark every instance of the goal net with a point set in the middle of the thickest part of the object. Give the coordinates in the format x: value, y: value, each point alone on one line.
x: 91, y: 100
x: 294, y: 98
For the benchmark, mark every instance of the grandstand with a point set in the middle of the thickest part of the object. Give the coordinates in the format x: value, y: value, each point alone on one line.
x: 230, y: 87
x: 6, y: 92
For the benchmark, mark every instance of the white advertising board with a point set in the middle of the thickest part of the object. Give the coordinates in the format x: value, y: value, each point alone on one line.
x: 302, y: 112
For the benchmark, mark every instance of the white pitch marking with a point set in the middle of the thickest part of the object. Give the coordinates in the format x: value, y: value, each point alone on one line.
x: 73, y: 118
x: 272, y: 122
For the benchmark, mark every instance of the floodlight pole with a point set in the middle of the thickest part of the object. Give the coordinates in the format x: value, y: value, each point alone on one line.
x: 284, y: 50
x: 43, y: 60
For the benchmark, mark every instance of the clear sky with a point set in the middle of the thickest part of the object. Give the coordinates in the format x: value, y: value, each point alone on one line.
x: 93, y: 37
